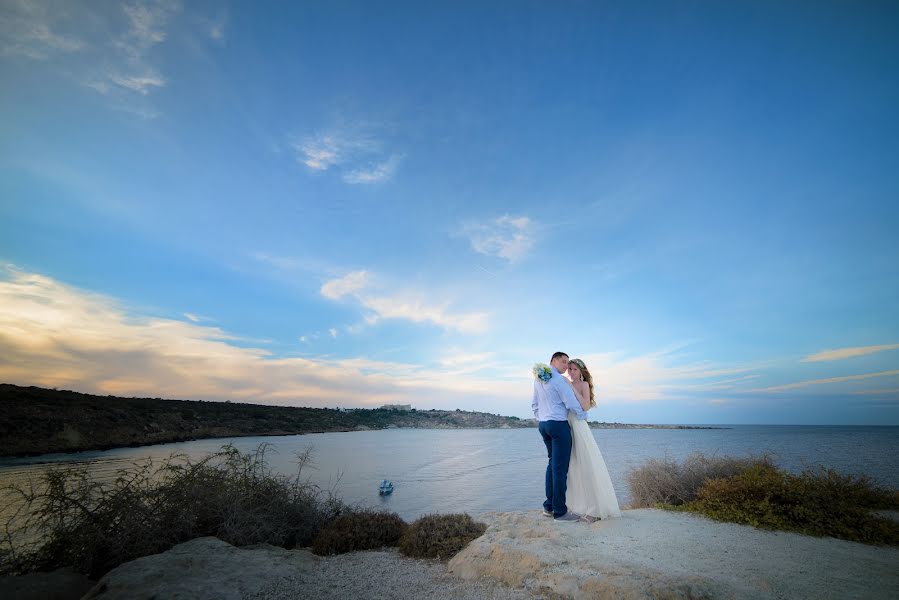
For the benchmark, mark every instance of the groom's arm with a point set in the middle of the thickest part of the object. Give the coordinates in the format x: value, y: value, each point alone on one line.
x: 571, y: 401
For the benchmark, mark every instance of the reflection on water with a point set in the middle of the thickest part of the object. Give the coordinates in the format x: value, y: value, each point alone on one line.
x: 478, y: 470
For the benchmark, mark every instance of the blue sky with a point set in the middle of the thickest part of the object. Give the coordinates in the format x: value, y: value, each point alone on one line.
x: 349, y: 204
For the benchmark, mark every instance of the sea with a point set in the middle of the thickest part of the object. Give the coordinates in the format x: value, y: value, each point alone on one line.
x: 481, y: 470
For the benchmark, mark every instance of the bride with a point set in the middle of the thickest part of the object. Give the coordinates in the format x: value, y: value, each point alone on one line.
x: 590, y: 491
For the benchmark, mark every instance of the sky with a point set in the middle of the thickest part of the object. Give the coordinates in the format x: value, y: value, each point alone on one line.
x: 347, y: 204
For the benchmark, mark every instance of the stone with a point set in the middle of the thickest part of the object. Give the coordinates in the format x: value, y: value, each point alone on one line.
x: 654, y: 554
x: 203, y: 569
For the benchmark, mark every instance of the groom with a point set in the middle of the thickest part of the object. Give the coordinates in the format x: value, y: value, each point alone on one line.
x: 552, y: 401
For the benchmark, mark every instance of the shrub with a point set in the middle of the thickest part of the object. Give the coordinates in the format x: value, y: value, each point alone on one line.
x: 665, y: 481
x: 69, y: 519
x: 817, y: 502
x: 439, y: 536
x: 359, y: 530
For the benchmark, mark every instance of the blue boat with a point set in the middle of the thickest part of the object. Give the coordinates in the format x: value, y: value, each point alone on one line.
x: 385, y: 488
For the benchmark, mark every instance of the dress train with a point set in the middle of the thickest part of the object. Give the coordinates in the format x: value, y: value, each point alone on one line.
x: 590, y: 491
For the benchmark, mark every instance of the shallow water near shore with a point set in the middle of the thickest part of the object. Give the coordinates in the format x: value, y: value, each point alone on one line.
x: 479, y: 470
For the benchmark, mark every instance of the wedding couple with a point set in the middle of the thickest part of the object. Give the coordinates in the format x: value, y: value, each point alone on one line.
x: 578, y: 486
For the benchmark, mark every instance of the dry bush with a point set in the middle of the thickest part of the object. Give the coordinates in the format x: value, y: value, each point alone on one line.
x: 70, y: 519
x: 665, y: 481
x: 440, y: 536
x: 818, y: 502
x: 359, y: 530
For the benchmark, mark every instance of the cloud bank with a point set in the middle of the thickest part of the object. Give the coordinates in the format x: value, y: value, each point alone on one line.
x: 55, y: 335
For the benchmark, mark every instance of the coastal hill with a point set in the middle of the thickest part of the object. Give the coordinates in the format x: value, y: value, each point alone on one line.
x: 36, y: 420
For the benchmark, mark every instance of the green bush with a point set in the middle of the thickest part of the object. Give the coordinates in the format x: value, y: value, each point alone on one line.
x: 359, y: 530
x: 439, y: 536
x: 70, y: 519
x: 665, y: 481
x: 817, y: 502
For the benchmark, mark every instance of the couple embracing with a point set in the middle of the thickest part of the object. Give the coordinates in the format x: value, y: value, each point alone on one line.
x: 578, y: 486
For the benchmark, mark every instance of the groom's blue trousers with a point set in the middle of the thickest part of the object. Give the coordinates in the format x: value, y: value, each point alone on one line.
x: 557, y: 437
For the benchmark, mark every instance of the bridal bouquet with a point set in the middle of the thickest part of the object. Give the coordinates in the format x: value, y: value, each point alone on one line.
x: 542, y: 372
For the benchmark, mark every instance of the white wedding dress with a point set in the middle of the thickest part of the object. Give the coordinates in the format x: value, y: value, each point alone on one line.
x: 590, y: 491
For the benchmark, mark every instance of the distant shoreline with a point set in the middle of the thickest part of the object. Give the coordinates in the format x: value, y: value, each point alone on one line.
x: 35, y: 421
x: 603, y: 425
x: 354, y: 430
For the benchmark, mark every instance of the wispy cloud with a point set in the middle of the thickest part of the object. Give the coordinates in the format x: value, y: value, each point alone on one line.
x: 376, y: 174
x: 28, y: 28
x: 406, y: 305
x: 802, y: 384
x: 147, y: 22
x: 356, y: 152
x: 195, y: 318
x: 141, y: 84
x: 844, y: 353
x: 288, y: 267
x: 320, y: 153
x: 350, y: 283
x: 660, y: 375
x: 55, y: 335
x: 217, y: 29
x: 412, y: 308
x: 511, y: 238
x: 115, y: 44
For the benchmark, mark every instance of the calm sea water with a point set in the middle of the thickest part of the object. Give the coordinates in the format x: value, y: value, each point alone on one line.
x: 478, y: 470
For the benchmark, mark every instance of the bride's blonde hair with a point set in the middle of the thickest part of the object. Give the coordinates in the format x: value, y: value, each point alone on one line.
x: 585, y: 374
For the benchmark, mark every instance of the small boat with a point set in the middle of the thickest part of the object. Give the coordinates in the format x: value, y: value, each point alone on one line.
x: 385, y: 488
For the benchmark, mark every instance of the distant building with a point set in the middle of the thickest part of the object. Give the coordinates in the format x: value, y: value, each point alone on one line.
x: 401, y: 407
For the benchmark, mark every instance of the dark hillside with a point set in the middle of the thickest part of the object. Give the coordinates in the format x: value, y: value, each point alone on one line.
x: 35, y: 420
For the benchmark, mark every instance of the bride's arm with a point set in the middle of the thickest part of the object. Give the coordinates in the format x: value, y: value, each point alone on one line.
x: 579, y: 391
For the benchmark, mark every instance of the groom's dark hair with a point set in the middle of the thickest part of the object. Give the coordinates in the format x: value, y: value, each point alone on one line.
x: 557, y: 355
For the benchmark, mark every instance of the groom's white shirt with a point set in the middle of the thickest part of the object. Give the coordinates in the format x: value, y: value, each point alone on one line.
x: 553, y: 399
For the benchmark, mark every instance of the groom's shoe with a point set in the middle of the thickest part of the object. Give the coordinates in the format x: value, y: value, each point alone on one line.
x: 546, y: 513
x: 569, y: 516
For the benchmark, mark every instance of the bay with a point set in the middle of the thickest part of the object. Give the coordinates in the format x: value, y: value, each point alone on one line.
x: 479, y: 470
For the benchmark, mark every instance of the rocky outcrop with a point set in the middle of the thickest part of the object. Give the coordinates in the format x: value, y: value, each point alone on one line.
x: 203, y: 569
x: 645, y: 554
x: 657, y: 554
x: 208, y: 568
